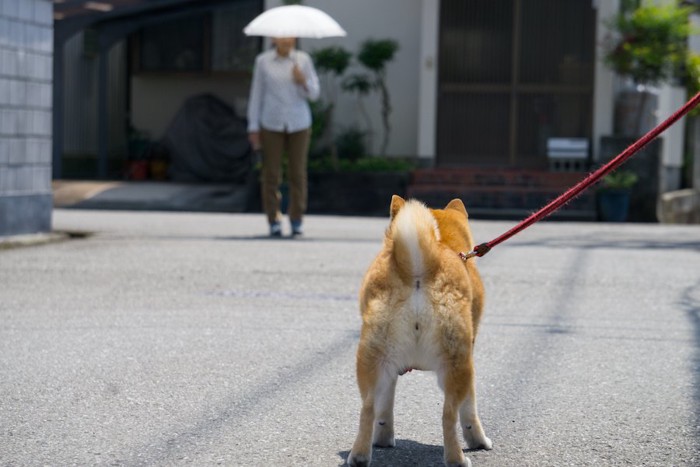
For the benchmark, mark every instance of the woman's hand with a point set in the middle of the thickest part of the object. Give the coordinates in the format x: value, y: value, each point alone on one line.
x: 254, y: 140
x: 298, y: 76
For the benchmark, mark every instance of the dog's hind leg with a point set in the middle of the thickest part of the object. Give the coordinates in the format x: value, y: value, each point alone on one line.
x: 368, y: 380
x: 384, y: 410
x: 455, y: 393
x: 469, y: 418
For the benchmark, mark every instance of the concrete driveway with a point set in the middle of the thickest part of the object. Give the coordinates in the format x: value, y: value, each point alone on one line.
x: 191, y: 339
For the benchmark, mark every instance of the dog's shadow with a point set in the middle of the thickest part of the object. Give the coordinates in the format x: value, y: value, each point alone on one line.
x: 406, y: 453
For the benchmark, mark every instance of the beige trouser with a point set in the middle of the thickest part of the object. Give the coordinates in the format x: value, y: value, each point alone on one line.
x: 274, y: 144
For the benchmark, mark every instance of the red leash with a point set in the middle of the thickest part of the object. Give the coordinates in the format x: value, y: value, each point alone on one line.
x: 571, y: 193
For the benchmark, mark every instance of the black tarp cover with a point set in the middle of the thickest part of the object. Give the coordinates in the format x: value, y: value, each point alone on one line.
x: 208, y: 142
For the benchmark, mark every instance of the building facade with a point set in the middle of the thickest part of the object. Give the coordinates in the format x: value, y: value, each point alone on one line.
x: 473, y: 84
x: 483, y: 83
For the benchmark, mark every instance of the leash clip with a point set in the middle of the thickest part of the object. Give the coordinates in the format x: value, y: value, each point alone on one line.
x: 479, y: 250
x: 466, y: 256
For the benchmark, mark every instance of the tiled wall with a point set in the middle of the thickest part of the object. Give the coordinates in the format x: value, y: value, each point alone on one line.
x: 26, y: 53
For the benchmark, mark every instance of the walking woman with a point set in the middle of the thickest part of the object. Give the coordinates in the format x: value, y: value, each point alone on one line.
x: 279, y: 122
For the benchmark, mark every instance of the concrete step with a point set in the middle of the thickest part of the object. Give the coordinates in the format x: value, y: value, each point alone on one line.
x: 504, y: 194
x: 496, y: 177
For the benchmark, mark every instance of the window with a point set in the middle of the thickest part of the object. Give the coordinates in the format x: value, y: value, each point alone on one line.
x: 201, y: 42
x: 231, y: 49
x: 177, y: 45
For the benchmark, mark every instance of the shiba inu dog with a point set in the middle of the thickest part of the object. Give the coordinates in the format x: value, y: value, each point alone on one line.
x: 421, y: 305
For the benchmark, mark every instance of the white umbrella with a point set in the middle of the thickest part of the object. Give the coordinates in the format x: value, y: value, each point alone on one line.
x: 294, y: 21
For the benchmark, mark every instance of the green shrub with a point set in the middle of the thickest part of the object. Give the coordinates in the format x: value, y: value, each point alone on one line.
x: 620, y: 180
x: 351, y: 144
x: 362, y: 164
x: 651, y: 43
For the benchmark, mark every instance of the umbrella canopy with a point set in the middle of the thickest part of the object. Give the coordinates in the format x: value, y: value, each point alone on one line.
x: 294, y: 21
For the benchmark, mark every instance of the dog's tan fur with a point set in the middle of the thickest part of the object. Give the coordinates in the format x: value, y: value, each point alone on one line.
x: 421, y: 306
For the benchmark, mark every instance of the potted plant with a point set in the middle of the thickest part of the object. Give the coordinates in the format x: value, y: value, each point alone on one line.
x: 614, y: 195
x: 648, y: 47
x: 360, y: 84
x: 375, y: 55
x: 331, y: 62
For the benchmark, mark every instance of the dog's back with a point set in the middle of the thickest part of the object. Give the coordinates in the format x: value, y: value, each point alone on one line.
x: 415, y: 291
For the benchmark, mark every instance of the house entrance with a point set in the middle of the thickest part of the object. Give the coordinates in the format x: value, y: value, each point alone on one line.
x: 512, y: 74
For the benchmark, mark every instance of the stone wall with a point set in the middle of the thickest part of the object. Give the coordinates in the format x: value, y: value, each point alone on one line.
x: 26, y: 54
x: 680, y: 207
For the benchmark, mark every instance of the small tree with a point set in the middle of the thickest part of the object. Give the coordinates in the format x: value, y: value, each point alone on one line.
x: 361, y: 85
x: 374, y: 55
x: 331, y: 63
x: 692, y: 78
x: 650, y: 43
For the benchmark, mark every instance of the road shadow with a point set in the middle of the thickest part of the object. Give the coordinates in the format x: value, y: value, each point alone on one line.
x: 267, y: 238
x: 690, y: 302
x: 178, y: 441
x: 301, y: 238
x: 406, y: 453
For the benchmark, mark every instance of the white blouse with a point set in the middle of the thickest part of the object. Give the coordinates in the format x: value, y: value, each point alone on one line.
x: 276, y: 101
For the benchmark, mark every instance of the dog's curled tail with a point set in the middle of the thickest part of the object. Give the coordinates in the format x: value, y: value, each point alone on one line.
x: 415, y: 238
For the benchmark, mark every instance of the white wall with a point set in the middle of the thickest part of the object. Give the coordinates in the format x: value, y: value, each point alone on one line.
x: 671, y: 98
x: 427, y: 111
x: 388, y: 19
x: 604, y: 80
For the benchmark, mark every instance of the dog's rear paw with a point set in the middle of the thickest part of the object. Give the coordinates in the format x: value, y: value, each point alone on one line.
x: 476, y: 439
x: 359, y: 460
x: 485, y: 444
x: 384, y: 439
x: 466, y: 463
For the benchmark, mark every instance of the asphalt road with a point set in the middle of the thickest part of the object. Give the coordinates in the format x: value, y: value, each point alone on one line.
x: 190, y: 339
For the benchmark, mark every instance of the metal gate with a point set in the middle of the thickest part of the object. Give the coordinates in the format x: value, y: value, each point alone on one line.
x: 512, y: 74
